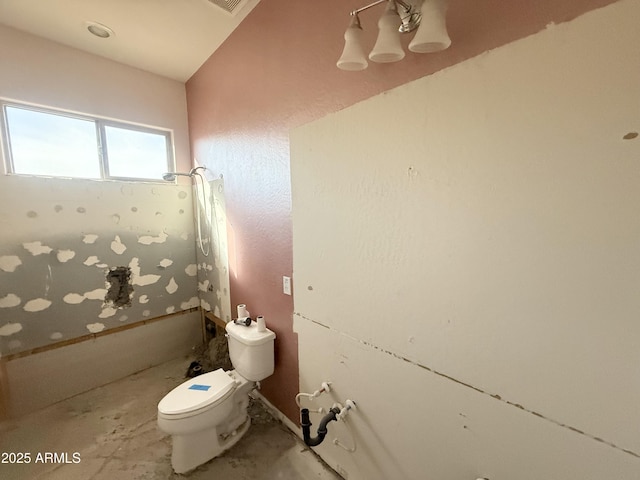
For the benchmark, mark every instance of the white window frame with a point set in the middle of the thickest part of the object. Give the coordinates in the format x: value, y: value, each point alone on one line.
x: 101, y: 140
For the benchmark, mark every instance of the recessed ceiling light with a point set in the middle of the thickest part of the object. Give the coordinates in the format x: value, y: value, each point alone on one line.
x: 99, y: 30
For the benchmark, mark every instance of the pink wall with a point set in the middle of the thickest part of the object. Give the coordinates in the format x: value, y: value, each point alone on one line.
x: 277, y: 71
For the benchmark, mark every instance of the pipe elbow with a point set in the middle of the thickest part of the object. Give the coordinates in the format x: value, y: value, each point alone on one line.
x: 305, y: 423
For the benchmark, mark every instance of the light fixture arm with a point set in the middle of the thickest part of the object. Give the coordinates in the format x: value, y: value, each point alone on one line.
x: 366, y: 7
x: 406, y: 6
x: 410, y: 18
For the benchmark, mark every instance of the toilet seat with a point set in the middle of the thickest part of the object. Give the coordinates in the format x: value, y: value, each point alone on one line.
x: 199, y: 393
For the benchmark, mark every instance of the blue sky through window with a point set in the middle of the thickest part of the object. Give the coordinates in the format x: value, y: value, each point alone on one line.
x: 45, y: 144
x: 61, y: 145
x: 134, y: 153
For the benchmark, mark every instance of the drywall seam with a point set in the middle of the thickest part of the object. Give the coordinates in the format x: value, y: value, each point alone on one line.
x: 92, y: 336
x: 467, y: 385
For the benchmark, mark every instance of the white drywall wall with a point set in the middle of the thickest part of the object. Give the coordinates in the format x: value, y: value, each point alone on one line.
x: 467, y: 262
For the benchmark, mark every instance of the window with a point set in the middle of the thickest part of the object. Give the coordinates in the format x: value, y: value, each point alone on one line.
x: 47, y: 142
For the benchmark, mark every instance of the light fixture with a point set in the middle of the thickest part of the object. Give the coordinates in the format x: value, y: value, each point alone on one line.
x: 99, y: 30
x: 400, y: 16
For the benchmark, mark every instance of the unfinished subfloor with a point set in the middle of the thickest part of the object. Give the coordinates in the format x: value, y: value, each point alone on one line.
x: 112, y: 432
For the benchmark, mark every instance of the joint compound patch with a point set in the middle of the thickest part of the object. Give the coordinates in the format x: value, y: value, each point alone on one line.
x: 65, y: 255
x: 74, y: 298
x: 10, y: 329
x: 134, y: 265
x: 90, y: 238
x: 191, y: 303
x: 95, y: 327
x: 36, y: 305
x: 148, y: 239
x: 10, y: 300
x: 165, y: 262
x: 9, y: 263
x: 117, y: 246
x: 144, y: 280
x: 108, y: 312
x: 92, y: 260
x: 172, y: 286
x: 141, y: 280
x: 36, y: 248
x: 97, y: 294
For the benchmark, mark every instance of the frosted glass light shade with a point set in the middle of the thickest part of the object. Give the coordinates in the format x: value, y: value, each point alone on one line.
x: 432, y: 33
x: 388, y: 47
x: 353, y: 57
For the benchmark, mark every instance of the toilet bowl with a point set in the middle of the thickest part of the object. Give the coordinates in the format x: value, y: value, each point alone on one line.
x: 207, y: 415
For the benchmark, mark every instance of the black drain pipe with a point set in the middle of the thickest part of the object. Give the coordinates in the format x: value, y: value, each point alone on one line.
x: 305, y: 423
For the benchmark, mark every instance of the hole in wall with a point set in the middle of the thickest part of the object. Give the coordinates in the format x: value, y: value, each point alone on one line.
x: 210, y: 327
x: 120, y: 288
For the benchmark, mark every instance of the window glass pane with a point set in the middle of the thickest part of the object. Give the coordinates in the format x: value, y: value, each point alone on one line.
x: 136, y: 154
x: 49, y: 144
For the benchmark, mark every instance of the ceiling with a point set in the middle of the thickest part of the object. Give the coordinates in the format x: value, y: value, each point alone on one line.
x: 172, y: 38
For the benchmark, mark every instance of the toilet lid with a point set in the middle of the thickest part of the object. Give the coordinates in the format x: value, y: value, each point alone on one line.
x: 197, y: 393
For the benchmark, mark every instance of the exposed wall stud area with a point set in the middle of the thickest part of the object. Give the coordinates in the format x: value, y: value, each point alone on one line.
x: 119, y: 287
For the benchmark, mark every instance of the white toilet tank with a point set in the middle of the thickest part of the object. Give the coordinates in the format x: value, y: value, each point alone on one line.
x: 251, y: 351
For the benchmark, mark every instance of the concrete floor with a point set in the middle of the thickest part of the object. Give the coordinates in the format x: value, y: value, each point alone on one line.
x: 112, y: 432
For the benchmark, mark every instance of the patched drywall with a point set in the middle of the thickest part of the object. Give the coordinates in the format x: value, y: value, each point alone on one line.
x: 212, y: 269
x: 82, y: 262
x: 468, y: 272
x: 95, y: 255
x: 62, y: 239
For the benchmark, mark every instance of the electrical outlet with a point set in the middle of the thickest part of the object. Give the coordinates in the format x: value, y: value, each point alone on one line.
x: 286, y: 285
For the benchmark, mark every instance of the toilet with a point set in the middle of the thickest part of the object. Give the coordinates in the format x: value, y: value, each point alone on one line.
x: 207, y: 415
